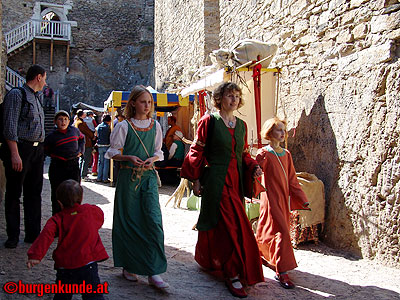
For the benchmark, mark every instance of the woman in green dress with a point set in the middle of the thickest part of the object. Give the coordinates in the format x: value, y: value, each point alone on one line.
x: 137, y: 234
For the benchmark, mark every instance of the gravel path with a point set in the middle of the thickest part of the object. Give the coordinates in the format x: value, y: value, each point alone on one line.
x: 322, y: 272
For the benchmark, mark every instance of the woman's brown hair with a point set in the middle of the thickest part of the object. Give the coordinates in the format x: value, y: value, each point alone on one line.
x: 137, y: 91
x: 222, y: 89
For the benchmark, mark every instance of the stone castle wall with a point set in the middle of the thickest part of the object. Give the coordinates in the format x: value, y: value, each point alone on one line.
x: 112, y: 48
x: 339, y: 89
x: 185, y: 33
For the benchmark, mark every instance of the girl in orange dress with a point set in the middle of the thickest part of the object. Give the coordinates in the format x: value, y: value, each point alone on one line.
x: 283, y: 193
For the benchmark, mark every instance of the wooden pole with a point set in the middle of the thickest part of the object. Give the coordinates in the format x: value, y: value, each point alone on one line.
x: 67, y: 69
x: 51, y: 54
x: 34, y: 51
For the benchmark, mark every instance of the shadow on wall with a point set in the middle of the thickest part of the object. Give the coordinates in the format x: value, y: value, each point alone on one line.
x: 314, y: 150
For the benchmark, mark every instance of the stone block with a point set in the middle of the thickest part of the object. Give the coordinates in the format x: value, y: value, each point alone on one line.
x: 357, y: 3
x: 275, y: 7
x: 300, y: 26
x: 325, y: 17
x: 298, y: 6
x: 344, y: 36
x: 308, y: 39
x: 288, y: 45
x: 376, y: 54
x: 348, y: 17
x: 394, y: 35
x: 385, y: 22
x: 360, y: 31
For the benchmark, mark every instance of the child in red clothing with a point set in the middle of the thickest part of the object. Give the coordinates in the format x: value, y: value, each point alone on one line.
x: 78, y: 251
x: 283, y: 194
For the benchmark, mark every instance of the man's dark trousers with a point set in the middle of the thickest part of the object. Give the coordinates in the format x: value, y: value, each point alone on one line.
x: 30, y: 182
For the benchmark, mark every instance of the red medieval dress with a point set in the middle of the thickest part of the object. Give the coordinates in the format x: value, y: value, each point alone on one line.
x: 280, y: 181
x: 229, y: 248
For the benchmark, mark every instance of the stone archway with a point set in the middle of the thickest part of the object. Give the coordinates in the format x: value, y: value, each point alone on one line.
x: 57, y: 12
x: 43, y: 8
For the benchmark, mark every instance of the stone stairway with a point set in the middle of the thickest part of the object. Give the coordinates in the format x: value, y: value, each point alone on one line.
x: 48, y: 120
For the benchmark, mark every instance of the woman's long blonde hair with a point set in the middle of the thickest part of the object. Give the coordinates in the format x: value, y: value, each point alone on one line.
x: 269, y: 126
x: 129, y: 110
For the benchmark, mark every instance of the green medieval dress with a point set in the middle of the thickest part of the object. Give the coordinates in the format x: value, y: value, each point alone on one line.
x: 137, y: 234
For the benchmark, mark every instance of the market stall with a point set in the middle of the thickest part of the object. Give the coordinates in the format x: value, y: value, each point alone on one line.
x: 260, y: 93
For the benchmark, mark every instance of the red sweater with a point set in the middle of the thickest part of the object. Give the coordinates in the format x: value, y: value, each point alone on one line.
x: 79, y: 241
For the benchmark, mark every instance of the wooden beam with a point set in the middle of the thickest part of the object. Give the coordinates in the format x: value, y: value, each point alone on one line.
x: 67, y: 68
x: 51, y: 55
x: 34, y: 51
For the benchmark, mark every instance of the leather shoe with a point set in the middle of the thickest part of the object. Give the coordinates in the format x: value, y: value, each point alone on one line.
x: 11, y: 243
x: 284, y: 281
x: 240, y: 293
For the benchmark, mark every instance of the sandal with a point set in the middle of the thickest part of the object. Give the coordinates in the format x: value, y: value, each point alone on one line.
x: 129, y: 276
x: 157, y: 281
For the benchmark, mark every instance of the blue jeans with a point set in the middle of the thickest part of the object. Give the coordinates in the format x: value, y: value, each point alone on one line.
x: 85, y: 161
x: 104, y: 164
x: 88, y: 273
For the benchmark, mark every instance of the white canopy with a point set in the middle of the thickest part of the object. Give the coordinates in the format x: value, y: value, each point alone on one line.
x: 209, y: 82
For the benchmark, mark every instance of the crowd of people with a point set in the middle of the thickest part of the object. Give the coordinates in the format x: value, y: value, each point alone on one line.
x: 218, y: 164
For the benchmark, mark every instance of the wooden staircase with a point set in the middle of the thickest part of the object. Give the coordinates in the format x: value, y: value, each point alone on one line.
x: 48, y: 120
x: 36, y: 29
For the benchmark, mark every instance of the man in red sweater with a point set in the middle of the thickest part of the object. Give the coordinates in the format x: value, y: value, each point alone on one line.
x: 78, y: 251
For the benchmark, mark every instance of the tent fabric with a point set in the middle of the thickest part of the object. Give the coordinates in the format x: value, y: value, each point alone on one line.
x: 314, y: 190
x: 120, y: 99
x: 247, y: 112
x: 80, y: 105
x: 209, y: 82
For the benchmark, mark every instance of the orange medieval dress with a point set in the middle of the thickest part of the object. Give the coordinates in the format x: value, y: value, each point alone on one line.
x: 229, y: 248
x: 273, y: 235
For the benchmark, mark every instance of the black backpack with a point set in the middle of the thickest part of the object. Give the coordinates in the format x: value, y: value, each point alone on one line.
x: 23, y: 103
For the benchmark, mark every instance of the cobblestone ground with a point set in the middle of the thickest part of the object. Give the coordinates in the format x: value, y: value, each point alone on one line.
x: 322, y: 272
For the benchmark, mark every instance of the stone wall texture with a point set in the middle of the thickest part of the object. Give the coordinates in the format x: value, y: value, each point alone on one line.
x: 185, y: 32
x: 339, y: 90
x: 112, y: 48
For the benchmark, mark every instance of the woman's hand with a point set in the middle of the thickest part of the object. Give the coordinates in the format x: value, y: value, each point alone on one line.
x: 197, y: 187
x: 257, y: 172
x: 135, y: 160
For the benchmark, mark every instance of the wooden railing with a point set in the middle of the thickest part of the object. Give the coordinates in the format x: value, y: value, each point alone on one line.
x: 43, y: 29
x: 13, y: 79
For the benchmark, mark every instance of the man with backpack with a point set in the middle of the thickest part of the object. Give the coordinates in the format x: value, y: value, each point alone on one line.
x: 23, y: 155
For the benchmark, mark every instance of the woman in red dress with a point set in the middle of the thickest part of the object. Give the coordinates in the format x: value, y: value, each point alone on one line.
x: 226, y: 243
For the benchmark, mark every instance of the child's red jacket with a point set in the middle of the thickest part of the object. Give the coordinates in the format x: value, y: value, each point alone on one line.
x: 79, y: 241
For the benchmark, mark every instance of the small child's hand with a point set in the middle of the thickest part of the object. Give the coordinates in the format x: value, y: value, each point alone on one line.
x: 32, y: 262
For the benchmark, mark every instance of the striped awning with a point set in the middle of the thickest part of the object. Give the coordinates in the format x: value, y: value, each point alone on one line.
x: 120, y: 99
